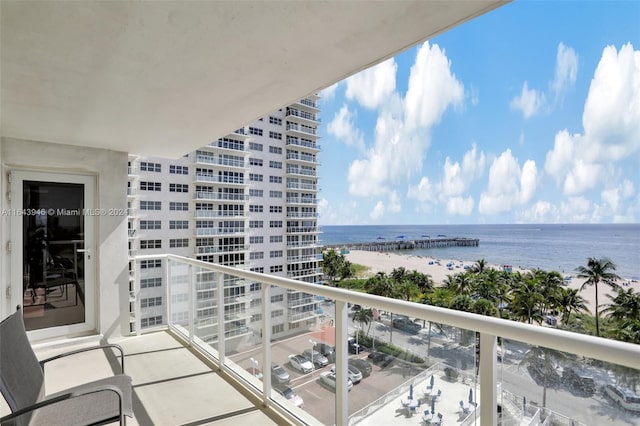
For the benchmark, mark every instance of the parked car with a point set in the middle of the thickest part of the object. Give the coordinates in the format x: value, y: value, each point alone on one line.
x: 300, y: 363
x: 405, y: 324
x: 578, y: 382
x: 623, y: 397
x: 354, y: 374
x: 354, y: 347
x: 381, y: 359
x: 279, y: 374
x: 326, y: 350
x: 316, y: 358
x: 290, y: 394
x: 362, y: 365
x: 329, y: 379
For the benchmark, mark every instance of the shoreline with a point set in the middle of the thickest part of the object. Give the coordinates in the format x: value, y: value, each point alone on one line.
x: 438, y: 270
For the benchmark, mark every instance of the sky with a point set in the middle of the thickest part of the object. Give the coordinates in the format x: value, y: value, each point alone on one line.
x: 528, y: 114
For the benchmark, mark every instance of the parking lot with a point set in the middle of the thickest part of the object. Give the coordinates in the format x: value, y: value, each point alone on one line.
x: 319, y: 399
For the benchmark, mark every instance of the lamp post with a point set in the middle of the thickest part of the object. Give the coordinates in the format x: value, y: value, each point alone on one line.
x: 255, y: 364
x: 313, y: 344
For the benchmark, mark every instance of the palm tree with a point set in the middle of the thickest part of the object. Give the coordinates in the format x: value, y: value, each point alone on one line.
x: 527, y: 301
x: 480, y: 266
x: 364, y: 317
x: 543, y: 366
x: 381, y: 285
x: 571, y: 301
x: 625, y: 305
x: 597, y: 271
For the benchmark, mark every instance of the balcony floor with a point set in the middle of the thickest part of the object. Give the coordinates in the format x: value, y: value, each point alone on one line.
x: 172, y: 386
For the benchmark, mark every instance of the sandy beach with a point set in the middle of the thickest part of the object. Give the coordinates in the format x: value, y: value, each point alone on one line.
x: 386, y: 262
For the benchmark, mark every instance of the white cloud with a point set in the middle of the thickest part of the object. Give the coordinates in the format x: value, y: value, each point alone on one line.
x: 371, y: 87
x: 566, y: 69
x: 508, y: 185
x: 424, y: 192
x: 403, y: 124
x: 342, y: 127
x: 432, y: 88
x: 529, y: 102
x: 540, y: 212
x: 611, y: 122
x: 460, y: 205
x: 576, y: 210
x: 613, y: 195
x: 395, y: 205
x: 378, y: 211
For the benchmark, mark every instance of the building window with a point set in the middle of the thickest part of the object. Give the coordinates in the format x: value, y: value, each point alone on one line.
x: 178, y: 187
x: 178, y: 224
x: 275, y: 179
x: 294, y: 325
x: 256, y: 255
x: 275, y: 135
x: 148, y: 264
x: 275, y: 120
x: 256, y: 240
x: 256, y: 224
x: 275, y: 253
x: 178, y: 170
x: 150, y: 224
x: 178, y: 242
x: 150, y: 322
x: 151, y: 282
x: 275, y: 149
x: 255, y: 146
x: 275, y: 194
x: 254, y: 177
x: 150, y: 205
x: 275, y: 268
x: 152, y: 301
x: 275, y: 164
x: 178, y: 206
x: 255, y: 162
x: 150, y: 186
x: 277, y: 313
x: 150, y: 244
x: 256, y: 317
x: 255, y: 131
x: 275, y: 329
x: 258, y: 269
x: 275, y: 224
x: 275, y: 239
x: 275, y: 209
x: 256, y: 192
x: 277, y: 298
x: 253, y: 208
x: 150, y: 167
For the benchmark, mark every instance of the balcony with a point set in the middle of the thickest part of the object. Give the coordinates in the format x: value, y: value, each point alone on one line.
x: 301, y: 116
x: 303, y: 143
x: 224, y: 180
x: 303, y: 230
x: 201, y: 232
x: 301, y: 200
x: 200, y: 250
x: 182, y: 374
x: 302, y: 158
x: 220, y: 196
x: 216, y: 214
x: 220, y: 161
x: 301, y: 130
x: 293, y: 170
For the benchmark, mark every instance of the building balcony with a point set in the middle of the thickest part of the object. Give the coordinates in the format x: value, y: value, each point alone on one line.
x: 302, y: 214
x: 200, y: 250
x: 302, y: 117
x: 223, y: 180
x: 304, y: 244
x: 299, y: 259
x: 293, y: 170
x: 302, y: 158
x: 301, y: 200
x: 303, y: 143
x: 304, y: 273
x: 221, y: 161
x: 302, y: 186
x: 300, y: 130
x: 307, y: 104
x: 183, y: 374
x: 303, y: 230
x: 220, y: 196
x: 218, y: 214
x: 201, y: 232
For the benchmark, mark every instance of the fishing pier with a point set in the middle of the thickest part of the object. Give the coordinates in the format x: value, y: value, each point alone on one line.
x: 384, y: 245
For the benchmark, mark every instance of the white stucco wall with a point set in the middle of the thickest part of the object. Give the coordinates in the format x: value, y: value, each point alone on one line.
x: 110, y: 169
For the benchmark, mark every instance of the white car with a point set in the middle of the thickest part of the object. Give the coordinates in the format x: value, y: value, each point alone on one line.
x: 290, y: 394
x: 300, y: 363
x: 329, y: 378
x: 354, y: 374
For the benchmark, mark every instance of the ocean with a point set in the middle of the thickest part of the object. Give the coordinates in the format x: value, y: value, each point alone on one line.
x: 559, y: 248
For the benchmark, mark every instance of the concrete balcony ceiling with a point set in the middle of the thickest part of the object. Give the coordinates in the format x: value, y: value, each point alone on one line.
x: 164, y: 78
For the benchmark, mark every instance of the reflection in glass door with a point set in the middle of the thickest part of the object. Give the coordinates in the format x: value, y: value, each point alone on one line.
x: 54, y: 239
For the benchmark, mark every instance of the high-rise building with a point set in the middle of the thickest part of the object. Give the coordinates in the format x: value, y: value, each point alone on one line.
x: 248, y: 200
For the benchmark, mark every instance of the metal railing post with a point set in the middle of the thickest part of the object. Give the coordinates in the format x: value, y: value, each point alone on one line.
x: 220, y: 305
x: 266, y: 343
x: 342, y: 393
x: 488, y: 380
x: 192, y: 303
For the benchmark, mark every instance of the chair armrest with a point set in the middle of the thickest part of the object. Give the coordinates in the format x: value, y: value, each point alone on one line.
x: 77, y: 351
x: 66, y: 396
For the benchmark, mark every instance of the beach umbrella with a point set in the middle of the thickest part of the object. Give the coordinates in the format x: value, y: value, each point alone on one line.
x: 433, y: 406
x: 411, y: 391
x: 470, y: 396
x: 432, y: 380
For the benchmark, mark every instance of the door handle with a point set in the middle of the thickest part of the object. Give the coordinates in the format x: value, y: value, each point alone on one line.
x: 87, y: 251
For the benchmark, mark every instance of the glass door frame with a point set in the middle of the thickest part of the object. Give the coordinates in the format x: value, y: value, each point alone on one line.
x: 16, y: 260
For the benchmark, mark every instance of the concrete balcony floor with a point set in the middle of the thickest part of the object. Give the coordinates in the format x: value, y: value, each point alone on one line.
x: 172, y: 385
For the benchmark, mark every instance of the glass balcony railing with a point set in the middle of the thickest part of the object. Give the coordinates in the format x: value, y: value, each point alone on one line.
x: 395, y: 362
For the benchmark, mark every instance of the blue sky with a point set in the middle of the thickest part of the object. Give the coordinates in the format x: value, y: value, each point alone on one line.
x: 529, y: 114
